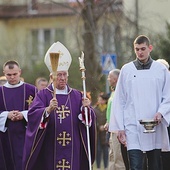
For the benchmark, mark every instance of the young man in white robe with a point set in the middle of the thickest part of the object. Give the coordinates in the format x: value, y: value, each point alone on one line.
x: 142, y: 92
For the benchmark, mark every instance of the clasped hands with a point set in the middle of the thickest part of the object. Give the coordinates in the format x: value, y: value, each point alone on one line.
x: 15, y: 115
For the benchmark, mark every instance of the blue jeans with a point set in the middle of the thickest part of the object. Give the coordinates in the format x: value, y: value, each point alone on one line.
x: 136, y: 158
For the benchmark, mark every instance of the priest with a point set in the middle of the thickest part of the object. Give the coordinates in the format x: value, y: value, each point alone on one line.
x: 15, y: 99
x: 56, y: 134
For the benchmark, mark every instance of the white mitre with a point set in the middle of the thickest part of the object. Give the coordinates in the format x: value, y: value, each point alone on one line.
x: 64, y: 58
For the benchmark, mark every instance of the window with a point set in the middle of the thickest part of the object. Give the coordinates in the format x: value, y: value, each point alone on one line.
x: 34, y: 42
x: 59, y: 35
x: 42, y: 39
x: 47, y: 39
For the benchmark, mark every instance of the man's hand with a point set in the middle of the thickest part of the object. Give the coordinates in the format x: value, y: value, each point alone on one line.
x: 52, y: 106
x: 101, y: 128
x: 15, y: 115
x: 122, y: 137
x: 86, y: 102
x: 158, y: 117
x: 106, y: 126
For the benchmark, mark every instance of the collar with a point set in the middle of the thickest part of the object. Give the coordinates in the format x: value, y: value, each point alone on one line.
x: 142, y: 66
x: 13, y: 86
x: 64, y: 91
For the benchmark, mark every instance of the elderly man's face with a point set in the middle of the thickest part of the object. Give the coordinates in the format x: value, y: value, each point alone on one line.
x: 61, y: 80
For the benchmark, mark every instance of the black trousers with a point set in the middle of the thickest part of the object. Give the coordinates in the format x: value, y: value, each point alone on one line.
x: 165, y: 160
x: 125, y: 156
x: 166, y: 156
x: 137, y: 157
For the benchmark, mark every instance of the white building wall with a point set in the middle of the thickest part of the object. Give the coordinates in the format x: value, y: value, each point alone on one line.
x: 153, y: 14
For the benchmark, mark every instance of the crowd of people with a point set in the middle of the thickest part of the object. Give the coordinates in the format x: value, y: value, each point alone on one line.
x: 45, y: 126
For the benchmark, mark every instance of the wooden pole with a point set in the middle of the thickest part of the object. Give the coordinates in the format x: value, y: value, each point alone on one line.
x: 54, y: 58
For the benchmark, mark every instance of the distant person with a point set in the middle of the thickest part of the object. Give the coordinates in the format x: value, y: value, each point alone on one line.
x: 56, y: 136
x: 142, y: 92
x: 164, y: 62
x: 22, y: 79
x: 3, y: 80
x: 165, y: 154
x: 118, y: 152
x: 15, y: 99
x: 102, y: 142
x: 41, y: 83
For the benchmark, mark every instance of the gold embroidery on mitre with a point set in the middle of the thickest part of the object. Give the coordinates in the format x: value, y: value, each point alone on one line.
x: 29, y: 101
x: 63, y: 164
x: 64, y: 63
x: 64, y: 138
x: 61, y: 54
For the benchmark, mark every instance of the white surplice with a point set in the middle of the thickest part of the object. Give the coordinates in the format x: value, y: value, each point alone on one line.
x: 140, y: 94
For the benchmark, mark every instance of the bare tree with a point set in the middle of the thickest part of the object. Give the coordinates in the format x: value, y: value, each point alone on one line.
x: 92, y: 11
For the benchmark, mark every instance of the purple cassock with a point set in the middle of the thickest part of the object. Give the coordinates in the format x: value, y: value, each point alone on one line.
x: 12, y: 138
x: 62, y: 143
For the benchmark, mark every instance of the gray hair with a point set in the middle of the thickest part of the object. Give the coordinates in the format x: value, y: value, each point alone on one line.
x: 163, y: 61
x: 115, y: 71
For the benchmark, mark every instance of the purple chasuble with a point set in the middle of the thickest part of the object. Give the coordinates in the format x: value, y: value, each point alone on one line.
x: 62, y: 145
x: 12, y: 140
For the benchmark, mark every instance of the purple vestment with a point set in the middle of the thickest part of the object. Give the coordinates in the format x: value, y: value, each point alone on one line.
x: 12, y: 140
x: 62, y: 145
